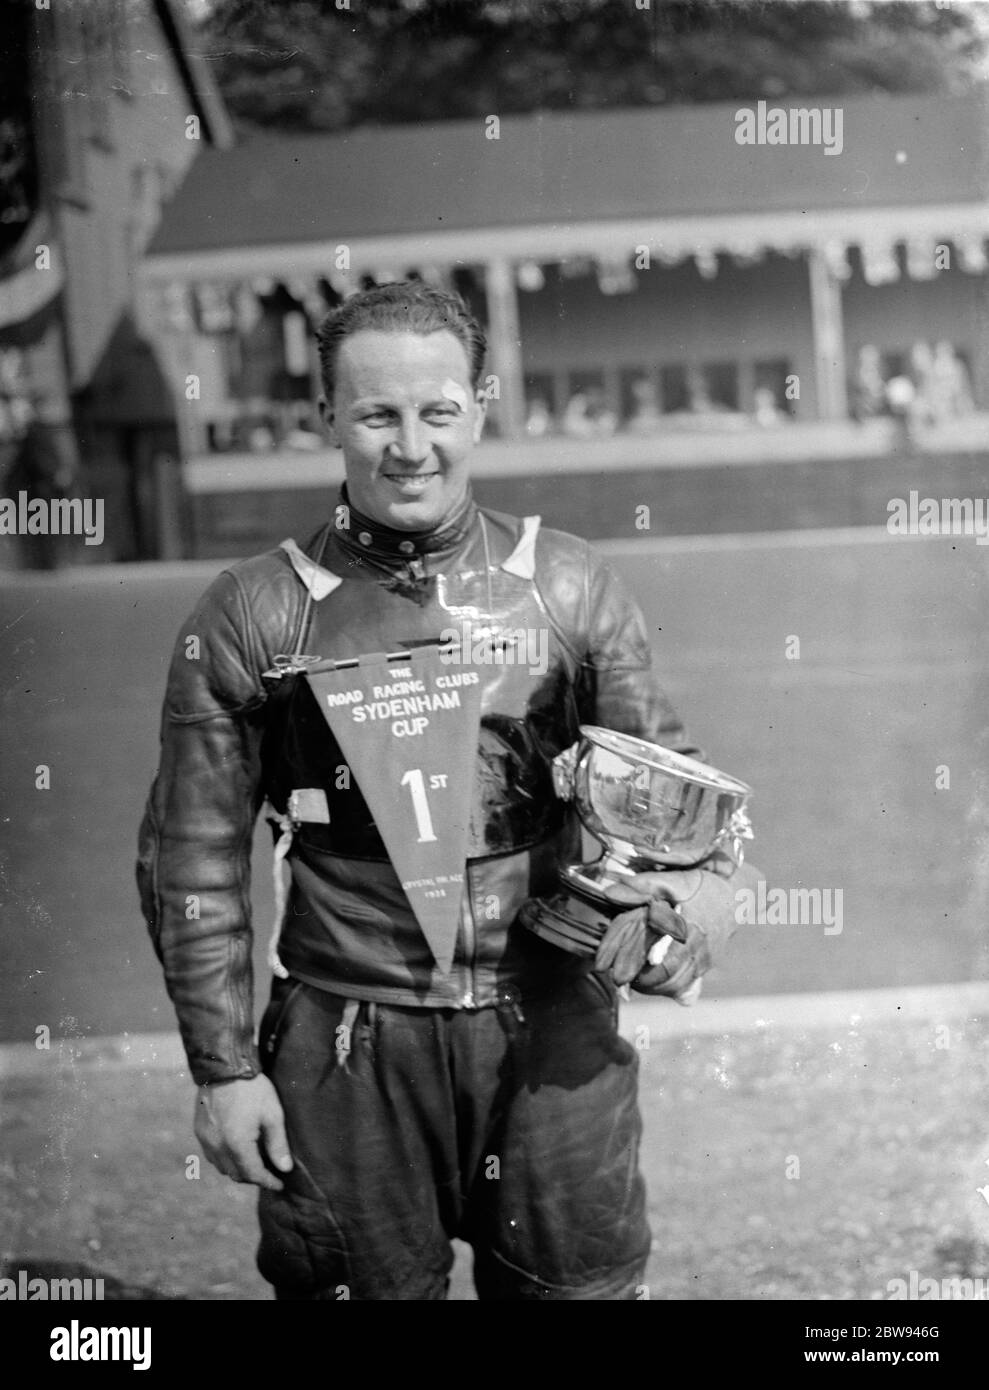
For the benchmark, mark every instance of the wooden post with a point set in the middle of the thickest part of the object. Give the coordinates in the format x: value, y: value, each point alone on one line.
x: 167, y: 479
x: 174, y: 355
x: 505, y: 345
x: 746, y: 386
x: 827, y: 327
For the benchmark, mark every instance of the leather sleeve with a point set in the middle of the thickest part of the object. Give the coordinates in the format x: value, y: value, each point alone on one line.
x: 714, y: 906
x: 195, y: 840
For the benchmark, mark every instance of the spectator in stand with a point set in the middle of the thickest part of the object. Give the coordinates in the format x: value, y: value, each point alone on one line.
x: 605, y: 420
x: 300, y: 434
x: 646, y: 417
x: 588, y: 415
x: 258, y: 432
x: 767, y: 413
x: 576, y: 418
x: 922, y: 375
x: 951, y: 389
x: 700, y: 400
x: 869, y: 389
x: 901, y: 396
x: 538, y: 420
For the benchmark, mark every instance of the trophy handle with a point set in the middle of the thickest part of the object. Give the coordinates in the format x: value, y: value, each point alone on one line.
x: 564, y: 769
x: 739, y: 828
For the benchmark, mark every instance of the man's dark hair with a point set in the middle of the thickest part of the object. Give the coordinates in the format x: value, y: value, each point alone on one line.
x: 405, y: 306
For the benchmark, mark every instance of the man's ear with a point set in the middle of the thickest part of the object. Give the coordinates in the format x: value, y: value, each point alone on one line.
x: 481, y: 401
x: 329, y: 420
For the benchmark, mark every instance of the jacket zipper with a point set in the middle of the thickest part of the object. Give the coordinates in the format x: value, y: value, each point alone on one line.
x: 469, y: 1000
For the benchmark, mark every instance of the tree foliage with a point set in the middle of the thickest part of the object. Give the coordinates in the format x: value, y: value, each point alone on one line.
x: 304, y: 65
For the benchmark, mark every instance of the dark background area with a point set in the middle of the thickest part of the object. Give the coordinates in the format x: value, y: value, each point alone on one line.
x: 302, y: 65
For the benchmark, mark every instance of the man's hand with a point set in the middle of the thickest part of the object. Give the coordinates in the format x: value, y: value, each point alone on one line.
x: 652, y: 947
x: 233, y: 1121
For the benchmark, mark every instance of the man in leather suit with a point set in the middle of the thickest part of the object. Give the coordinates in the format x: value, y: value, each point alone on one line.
x: 399, y: 1095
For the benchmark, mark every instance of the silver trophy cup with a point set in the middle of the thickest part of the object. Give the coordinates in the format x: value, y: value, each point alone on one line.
x: 652, y: 809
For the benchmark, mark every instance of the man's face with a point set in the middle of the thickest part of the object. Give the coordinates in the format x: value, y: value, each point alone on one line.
x: 406, y: 417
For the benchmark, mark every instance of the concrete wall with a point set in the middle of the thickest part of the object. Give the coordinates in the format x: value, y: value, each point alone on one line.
x: 811, y: 493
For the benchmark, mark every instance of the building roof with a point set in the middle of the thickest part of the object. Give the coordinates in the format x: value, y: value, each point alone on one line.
x: 566, y: 168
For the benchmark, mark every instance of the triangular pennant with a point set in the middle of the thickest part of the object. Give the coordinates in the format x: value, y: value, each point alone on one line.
x: 408, y: 726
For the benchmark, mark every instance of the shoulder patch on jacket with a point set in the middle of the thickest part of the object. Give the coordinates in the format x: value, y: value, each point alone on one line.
x: 318, y: 581
x: 522, y: 561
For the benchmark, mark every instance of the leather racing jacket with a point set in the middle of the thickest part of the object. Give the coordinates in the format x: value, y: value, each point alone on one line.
x: 232, y: 736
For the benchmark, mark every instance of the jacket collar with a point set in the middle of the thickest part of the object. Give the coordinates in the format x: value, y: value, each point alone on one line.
x: 361, y: 537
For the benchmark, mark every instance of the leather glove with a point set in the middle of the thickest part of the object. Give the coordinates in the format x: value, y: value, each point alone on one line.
x: 632, y: 936
x: 679, y: 972
x: 653, y: 946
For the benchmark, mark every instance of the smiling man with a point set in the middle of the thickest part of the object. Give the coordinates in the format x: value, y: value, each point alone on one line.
x: 427, y: 1068
x: 405, y: 414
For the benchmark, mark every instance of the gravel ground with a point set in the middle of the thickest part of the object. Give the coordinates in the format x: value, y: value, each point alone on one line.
x: 887, y: 1124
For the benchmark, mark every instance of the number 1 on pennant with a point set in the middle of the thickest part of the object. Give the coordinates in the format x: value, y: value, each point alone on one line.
x: 420, y: 806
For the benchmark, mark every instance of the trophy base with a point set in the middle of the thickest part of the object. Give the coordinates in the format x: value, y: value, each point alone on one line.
x: 576, y: 918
